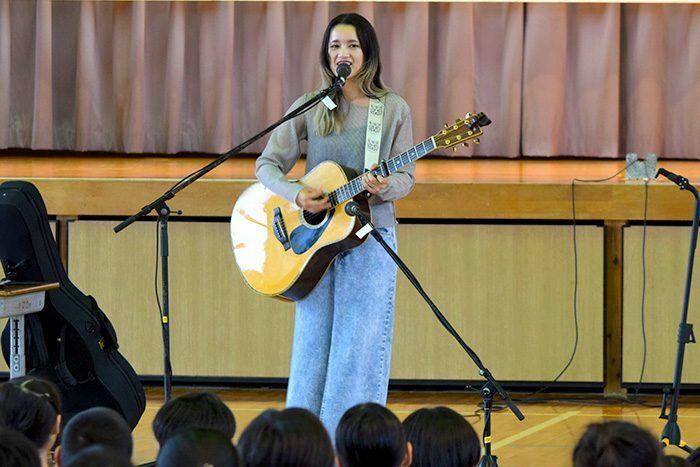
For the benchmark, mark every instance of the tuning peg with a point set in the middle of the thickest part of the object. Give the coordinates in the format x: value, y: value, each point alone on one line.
x: 466, y: 145
x: 454, y: 149
x: 469, y: 114
x: 446, y: 125
x: 476, y: 141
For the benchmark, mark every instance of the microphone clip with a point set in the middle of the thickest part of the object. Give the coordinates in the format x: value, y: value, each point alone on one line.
x: 342, y: 72
x: 352, y: 208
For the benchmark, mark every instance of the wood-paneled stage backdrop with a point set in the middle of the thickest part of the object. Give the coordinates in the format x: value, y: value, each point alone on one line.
x: 491, y: 241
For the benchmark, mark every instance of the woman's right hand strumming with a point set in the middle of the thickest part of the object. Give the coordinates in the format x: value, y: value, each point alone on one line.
x: 312, y: 200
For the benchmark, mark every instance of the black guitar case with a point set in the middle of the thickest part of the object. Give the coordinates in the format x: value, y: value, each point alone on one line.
x: 71, y: 341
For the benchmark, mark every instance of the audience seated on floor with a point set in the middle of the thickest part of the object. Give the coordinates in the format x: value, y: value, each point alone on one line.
x: 292, y: 437
x: 441, y: 438
x: 198, y: 448
x: 617, y: 444
x: 16, y: 450
x: 370, y: 435
x: 95, y: 426
x: 197, y: 429
x: 32, y: 406
x: 203, y: 410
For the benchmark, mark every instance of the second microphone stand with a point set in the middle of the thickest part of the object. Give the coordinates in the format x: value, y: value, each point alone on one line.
x: 671, y: 434
x: 491, y: 386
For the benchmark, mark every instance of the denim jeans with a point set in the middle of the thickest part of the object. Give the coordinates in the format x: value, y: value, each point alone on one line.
x: 342, y: 334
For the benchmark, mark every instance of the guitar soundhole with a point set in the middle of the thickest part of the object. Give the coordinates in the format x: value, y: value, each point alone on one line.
x: 315, y: 219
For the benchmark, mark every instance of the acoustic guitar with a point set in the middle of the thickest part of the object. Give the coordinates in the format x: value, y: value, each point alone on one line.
x: 283, y: 250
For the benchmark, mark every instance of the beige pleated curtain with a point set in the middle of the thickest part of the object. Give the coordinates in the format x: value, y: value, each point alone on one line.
x: 592, y: 80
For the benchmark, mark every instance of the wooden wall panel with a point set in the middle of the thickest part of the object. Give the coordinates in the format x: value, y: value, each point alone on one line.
x: 508, y: 289
x: 666, y: 264
x: 219, y: 327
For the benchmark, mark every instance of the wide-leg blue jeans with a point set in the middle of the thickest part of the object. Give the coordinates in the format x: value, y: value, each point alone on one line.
x: 343, y: 332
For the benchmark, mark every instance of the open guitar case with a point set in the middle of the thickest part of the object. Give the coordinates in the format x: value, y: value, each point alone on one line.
x: 71, y: 341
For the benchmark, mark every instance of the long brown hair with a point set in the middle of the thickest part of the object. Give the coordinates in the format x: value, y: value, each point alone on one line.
x: 369, y: 77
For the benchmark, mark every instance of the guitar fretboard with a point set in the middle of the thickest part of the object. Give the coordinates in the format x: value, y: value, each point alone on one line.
x: 354, y: 187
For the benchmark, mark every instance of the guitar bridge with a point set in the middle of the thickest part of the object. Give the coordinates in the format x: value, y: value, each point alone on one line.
x: 280, y: 229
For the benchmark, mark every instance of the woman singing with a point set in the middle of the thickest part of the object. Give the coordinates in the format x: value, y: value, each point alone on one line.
x: 344, y: 327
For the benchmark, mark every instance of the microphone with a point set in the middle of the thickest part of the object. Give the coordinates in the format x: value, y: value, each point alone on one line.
x: 343, y: 70
x: 677, y: 179
x: 354, y: 209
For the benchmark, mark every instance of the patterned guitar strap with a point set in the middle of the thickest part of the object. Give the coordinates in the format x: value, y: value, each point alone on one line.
x: 375, y: 119
x: 373, y: 141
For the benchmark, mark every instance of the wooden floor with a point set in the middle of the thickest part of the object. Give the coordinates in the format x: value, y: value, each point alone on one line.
x: 546, y: 437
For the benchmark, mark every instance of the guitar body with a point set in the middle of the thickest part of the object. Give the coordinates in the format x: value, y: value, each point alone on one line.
x: 282, y: 250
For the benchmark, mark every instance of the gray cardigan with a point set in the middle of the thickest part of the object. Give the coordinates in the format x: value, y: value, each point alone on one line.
x: 346, y: 148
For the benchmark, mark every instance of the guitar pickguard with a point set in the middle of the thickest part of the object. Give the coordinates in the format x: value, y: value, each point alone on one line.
x: 303, y: 238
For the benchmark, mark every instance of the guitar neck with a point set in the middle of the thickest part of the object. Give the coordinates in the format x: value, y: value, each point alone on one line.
x: 354, y: 187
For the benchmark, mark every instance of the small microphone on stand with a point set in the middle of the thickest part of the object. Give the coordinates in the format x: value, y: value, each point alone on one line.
x: 670, y: 175
x: 352, y: 208
x: 677, y: 179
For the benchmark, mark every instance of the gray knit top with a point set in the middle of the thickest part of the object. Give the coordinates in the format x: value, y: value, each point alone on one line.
x: 347, y: 148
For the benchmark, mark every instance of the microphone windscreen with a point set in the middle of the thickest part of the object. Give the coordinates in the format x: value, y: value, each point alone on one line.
x: 343, y: 70
x: 352, y: 208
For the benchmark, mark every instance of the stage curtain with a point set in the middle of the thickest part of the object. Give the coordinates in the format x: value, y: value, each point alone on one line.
x: 590, y: 80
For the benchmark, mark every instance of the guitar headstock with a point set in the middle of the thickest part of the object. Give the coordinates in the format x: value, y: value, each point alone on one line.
x: 462, y: 130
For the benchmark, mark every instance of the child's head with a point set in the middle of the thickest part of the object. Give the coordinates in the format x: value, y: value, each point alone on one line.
x: 31, y: 406
x: 370, y: 435
x: 292, y: 438
x: 618, y: 444
x: 441, y: 437
x: 196, y: 447
x: 203, y: 410
x: 16, y: 450
x: 95, y: 426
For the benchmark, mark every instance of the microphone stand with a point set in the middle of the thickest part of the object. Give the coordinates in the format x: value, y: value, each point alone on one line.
x: 671, y: 434
x: 163, y: 211
x: 491, y: 386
